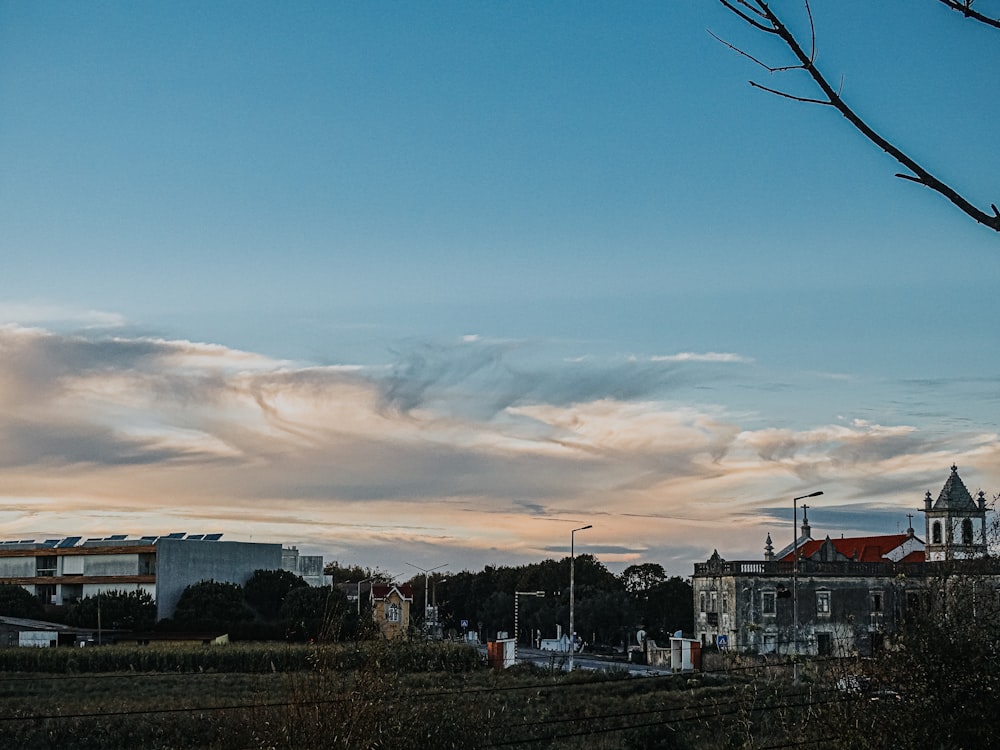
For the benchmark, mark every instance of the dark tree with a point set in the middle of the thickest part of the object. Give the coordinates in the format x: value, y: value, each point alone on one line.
x: 640, y: 578
x: 16, y: 601
x: 316, y: 613
x: 354, y: 573
x: 762, y: 17
x: 667, y: 607
x: 266, y: 590
x: 115, y: 610
x: 211, y: 605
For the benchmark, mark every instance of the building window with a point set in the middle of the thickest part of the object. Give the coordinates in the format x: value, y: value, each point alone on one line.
x: 823, y: 602
x: 936, y: 533
x: 967, y: 531
x: 767, y: 605
x: 392, y: 613
x: 147, y: 564
x: 701, y: 602
x: 725, y: 603
x: 46, y: 566
x: 46, y: 592
x: 824, y: 644
x: 876, y: 605
x: 713, y: 603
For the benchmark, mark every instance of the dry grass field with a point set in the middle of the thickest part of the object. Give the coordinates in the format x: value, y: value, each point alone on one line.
x: 372, y: 696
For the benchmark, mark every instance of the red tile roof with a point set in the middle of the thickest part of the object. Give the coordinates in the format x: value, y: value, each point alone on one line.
x: 381, y: 590
x: 860, y: 548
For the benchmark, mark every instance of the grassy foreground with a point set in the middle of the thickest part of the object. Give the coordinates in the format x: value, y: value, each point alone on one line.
x: 371, y: 695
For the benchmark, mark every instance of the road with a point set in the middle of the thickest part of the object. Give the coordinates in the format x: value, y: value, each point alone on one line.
x: 559, y: 659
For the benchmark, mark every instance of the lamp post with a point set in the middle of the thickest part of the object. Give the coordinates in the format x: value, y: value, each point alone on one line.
x: 434, y: 605
x: 426, y: 573
x: 517, y: 596
x: 572, y: 631
x: 795, y: 574
x: 367, y: 580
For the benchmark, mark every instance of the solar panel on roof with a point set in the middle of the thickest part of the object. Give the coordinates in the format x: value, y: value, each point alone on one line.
x: 213, y: 537
x: 116, y: 537
x: 152, y: 538
x: 176, y: 535
x: 69, y: 541
x: 27, y: 541
x: 196, y: 536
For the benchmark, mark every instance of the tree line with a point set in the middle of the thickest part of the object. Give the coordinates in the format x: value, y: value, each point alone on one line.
x: 271, y: 605
x: 609, y: 609
x: 278, y: 605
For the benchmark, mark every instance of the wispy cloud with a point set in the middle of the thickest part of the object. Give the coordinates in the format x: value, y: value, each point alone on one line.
x: 48, y: 314
x: 701, y: 357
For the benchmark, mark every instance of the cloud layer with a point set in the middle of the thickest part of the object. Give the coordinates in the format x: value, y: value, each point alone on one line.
x: 473, y: 451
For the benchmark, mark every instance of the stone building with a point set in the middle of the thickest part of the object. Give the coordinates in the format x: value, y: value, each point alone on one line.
x: 848, y: 593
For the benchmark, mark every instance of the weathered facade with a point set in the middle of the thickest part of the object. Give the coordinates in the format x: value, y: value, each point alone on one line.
x: 307, y: 567
x: 849, y: 593
x: 844, y: 606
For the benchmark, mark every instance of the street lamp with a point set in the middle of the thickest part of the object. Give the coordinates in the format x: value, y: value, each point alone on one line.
x: 795, y: 573
x: 367, y: 580
x: 572, y: 632
x: 434, y: 605
x: 517, y: 595
x: 426, y: 575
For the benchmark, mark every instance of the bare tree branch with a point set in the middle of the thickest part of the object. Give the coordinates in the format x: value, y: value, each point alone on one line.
x: 965, y: 8
x: 742, y: 14
x: 771, y: 24
x: 786, y: 95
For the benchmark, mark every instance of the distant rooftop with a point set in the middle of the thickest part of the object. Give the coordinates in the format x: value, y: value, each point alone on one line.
x: 116, y: 540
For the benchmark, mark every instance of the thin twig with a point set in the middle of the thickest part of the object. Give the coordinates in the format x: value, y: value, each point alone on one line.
x: 965, y: 8
x: 920, y: 175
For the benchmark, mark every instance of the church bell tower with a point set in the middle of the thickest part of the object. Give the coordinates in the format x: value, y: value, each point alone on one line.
x: 955, y: 522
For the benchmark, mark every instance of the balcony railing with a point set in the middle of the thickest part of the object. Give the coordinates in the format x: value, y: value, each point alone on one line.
x: 842, y: 568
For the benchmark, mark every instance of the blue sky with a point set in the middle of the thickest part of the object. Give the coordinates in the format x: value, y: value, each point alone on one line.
x: 403, y: 281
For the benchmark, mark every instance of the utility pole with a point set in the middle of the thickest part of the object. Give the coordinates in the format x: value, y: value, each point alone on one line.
x: 572, y: 631
x: 426, y: 573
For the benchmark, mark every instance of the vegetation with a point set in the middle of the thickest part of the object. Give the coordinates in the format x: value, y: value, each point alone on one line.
x: 317, y: 614
x: 935, y: 685
x: 211, y: 606
x: 608, y: 608
x: 17, y: 601
x: 932, y: 686
x: 266, y: 590
x: 115, y: 610
x: 378, y: 695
